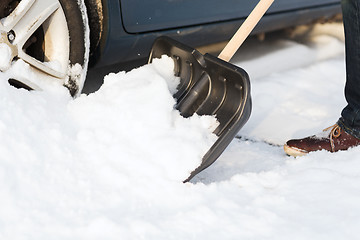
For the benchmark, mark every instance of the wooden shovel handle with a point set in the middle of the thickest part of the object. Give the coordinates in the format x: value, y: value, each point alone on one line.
x: 245, y: 29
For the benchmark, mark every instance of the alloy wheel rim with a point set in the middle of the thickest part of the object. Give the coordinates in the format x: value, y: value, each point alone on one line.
x: 20, y: 30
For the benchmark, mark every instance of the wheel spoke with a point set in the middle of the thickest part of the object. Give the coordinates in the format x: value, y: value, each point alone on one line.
x: 10, y: 21
x: 33, y: 15
x: 44, y: 67
x: 2, y: 28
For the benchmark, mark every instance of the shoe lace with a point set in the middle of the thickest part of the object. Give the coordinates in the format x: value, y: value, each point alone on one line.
x: 335, y: 133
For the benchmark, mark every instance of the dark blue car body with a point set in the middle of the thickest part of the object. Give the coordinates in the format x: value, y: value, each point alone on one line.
x: 130, y: 26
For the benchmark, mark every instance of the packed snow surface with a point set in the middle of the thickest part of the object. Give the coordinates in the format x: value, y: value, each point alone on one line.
x: 110, y: 165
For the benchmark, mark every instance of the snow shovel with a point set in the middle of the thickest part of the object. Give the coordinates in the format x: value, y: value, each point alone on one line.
x: 211, y: 85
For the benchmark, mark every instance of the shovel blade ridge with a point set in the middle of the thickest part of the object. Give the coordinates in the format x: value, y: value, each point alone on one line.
x: 208, y: 86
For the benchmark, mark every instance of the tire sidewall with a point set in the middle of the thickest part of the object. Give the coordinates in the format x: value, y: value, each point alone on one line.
x: 77, y: 22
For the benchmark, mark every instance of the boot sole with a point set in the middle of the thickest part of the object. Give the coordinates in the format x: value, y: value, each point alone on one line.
x: 295, y: 152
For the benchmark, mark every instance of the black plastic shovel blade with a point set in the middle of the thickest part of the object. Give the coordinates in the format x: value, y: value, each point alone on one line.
x: 208, y: 86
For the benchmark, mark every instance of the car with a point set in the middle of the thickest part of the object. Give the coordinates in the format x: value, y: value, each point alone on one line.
x: 59, y: 39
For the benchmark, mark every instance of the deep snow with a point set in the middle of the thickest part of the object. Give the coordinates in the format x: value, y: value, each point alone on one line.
x: 109, y: 165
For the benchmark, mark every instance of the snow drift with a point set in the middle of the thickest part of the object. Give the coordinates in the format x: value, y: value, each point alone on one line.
x: 110, y: 165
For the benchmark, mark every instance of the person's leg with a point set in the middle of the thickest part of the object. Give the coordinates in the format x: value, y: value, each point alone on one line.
x: 350, y: 116
x: 346, y: 133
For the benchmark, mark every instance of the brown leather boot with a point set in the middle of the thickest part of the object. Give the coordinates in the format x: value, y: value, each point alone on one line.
x: 331, y: 139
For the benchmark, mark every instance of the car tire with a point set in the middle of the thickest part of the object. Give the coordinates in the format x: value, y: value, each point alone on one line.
x: 51, y: 38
